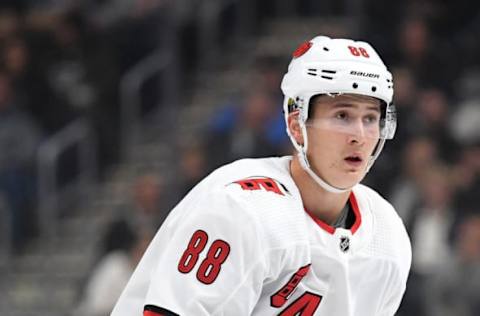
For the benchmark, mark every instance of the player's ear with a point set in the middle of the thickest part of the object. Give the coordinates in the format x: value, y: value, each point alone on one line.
x: 294, y: 127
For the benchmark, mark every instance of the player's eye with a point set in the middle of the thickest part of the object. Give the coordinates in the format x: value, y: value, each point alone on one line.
x: 342, y: 116
x: 371, y: 118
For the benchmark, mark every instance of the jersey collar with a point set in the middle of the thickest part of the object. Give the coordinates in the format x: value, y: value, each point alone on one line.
x: 330, y: 229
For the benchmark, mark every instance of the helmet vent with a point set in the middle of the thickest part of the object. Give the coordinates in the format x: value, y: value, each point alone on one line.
x: 325, y: 73
x: 328, y: 72
x: 312, y: 71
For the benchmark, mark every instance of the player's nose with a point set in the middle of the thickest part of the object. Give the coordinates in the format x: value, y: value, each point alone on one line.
x: 357, y: 133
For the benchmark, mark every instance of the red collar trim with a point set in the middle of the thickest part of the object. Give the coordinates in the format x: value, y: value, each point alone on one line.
x: 330, y: 229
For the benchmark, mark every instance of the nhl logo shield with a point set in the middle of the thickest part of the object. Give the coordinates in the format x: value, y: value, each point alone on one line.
x: 344, y: 243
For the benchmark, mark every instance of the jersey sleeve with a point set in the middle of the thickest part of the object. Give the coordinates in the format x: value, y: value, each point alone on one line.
x: 212, y: 262
x: 398, y: 280
x: 393, y: 299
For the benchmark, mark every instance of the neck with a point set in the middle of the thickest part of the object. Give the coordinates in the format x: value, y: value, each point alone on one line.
x: 325, y: 205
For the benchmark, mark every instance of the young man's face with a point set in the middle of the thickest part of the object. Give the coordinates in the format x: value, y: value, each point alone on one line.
x: 342, y: 134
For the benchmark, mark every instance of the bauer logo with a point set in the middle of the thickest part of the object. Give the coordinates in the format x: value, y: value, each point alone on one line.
x: 364, y: 74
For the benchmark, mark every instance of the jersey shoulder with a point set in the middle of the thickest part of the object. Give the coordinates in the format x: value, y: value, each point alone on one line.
x: 243, y: 184
x: 249, y: 180
x: 378, y: 204
x: 264, y: 192
x: 273, y: 167
x: 390, y: 238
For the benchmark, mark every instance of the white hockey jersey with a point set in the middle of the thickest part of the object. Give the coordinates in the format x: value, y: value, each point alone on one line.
x: 241, y: 243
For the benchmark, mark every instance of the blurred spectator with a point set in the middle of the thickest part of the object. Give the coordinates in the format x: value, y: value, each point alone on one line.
x: 110, y: 275
x: 268, y: 78
x: 433, y: 115
x: 16, y: 57
x: 455, y: 288
x: 419, y: 153
x: 429, y: 231
x: 433, y: 220
x: 465, y: 121
x: 68, y: 72
x: 126, y: 238
x: 405, y: 100
x: 415, y: 41
x: 140, y: 21
x: 116, y: 25
x: 193, y: 168
x: 29, y: 86
x: 10, y: 23
x: 467, y: 180
x: 421, y: 52
x: 19, y: 139
x: 76, y: 70
x: 268, y: 75
x: 241, y: 130
x: 145, y: 210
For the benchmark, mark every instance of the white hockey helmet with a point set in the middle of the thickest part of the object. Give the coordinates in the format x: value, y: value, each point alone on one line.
x: 332, y: 67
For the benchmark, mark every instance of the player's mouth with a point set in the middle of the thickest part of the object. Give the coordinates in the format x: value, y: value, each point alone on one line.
x: 354, y: 160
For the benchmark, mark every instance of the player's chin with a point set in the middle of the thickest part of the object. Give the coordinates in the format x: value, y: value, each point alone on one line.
x: 349, y: 178
x: 346, y: 184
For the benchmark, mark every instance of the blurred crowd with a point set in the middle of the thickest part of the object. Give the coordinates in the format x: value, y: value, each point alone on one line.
x: 430, y: 172
x: 61, y: 64
x: 62, y: 60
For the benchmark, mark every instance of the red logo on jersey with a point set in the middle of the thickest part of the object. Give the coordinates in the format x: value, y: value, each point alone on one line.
x: 305, y: 305
x: 280, y: 298
x: 152, y: 310
x: 267, y: 184
x: 302, y: 49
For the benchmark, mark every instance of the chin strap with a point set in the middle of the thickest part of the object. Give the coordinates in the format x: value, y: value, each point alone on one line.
x: 302, y: 157
x: 306, y: 166
x: 376, y: 153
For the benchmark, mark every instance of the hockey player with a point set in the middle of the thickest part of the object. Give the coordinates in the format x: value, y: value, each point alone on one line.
x: 291, y: 235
